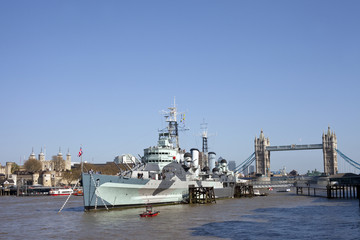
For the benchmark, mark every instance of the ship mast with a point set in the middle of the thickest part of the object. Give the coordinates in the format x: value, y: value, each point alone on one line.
x: 204, y: 137
x: 172, y: 129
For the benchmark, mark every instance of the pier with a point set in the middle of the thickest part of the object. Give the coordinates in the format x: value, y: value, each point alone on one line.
x: 314, y: 191
x: 21, y: 191
x: 344, y: 191
x: 344, y: 186
x: 243, y: 190
x: 201, y: 195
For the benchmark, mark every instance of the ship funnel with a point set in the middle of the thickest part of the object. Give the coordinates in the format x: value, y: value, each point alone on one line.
x: 212, y: 160
x: 195, y: 159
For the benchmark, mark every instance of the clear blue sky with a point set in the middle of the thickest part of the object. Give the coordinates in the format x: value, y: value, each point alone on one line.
x: 97, y: 74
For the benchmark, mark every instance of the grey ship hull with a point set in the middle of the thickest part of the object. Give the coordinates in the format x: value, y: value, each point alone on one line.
x: 106, y: 191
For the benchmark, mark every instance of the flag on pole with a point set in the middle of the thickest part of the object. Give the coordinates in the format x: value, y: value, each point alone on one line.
x: 80, y: 152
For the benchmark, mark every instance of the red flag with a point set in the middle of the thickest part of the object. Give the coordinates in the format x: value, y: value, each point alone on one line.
x: 80, y: 152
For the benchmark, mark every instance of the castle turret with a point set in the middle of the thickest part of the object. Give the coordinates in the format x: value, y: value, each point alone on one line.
x: 8, y: 169
x: 41, y: 156
x: 60, y: 154
x: 68, y: 161
x: 59, y: 164
x: 35, y: 178
x: 32, y: 155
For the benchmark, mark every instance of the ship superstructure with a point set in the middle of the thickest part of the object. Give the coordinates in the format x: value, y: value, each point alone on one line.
x: 163, y: 175
x: 167, y: 149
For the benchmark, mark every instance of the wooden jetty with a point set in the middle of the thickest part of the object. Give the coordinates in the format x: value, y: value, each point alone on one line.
x: 201, y: 195
x: 347, y: 191
x: 344, y: 186
x: 243, y: 190
x: 314, y: 191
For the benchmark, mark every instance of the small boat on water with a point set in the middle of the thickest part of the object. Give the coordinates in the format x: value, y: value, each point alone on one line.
x: 78, y: 192
x: 284, y: 190
x: 257, y: 193
x: 61, y: 192
x: 149, y: 212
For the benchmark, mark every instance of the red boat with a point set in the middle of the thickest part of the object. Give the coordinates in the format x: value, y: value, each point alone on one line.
x: 149, y: 212
x: 78, y: 192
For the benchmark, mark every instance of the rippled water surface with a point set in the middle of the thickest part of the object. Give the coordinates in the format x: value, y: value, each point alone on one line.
x: 277, y: 216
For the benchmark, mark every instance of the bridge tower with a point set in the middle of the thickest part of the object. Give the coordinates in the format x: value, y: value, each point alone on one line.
x: 262, y: 156
x: 329, y: 142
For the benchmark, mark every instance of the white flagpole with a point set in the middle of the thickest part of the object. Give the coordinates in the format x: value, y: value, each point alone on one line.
x: 82, y: 165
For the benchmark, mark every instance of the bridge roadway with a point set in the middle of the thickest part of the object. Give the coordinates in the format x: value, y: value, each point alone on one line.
x: 294, y: 147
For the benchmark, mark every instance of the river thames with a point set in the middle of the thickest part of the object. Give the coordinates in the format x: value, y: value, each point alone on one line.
x: 277, y: 216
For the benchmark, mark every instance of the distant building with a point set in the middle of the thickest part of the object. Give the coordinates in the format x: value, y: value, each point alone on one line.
x: 280, y: 173
x: 293, y: 173
x: 48, y: 165
x: 249, y: 170
x: 47, y: 176
x: 313, y: 173
x: 6, y: 170
x: 232, y: 165
x: 7, y: 183
x: 125, y: 159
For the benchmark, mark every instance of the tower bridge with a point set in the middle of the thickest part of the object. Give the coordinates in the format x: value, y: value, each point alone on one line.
x: 261, y: 155
x: 329, y: 146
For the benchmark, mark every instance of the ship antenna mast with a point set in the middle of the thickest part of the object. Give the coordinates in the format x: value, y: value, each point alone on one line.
x: 172, y: 129
x: 204, y: 136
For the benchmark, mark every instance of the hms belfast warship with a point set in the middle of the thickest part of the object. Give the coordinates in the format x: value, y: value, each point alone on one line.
x: 163, y: 175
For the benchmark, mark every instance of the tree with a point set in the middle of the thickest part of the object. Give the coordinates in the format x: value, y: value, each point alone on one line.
x: 33, y: 165
x: 71, y: 176
x: 14, y: 168
x: 58, y: 163
x: 108, y: 168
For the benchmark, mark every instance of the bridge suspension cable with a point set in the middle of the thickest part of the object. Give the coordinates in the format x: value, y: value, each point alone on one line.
x: 246, y: 160
x: 348, y: 160
x: 247, y: 165
x: 242, y: 166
